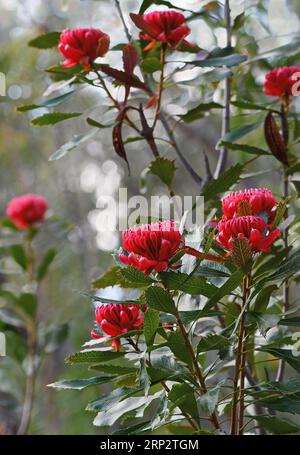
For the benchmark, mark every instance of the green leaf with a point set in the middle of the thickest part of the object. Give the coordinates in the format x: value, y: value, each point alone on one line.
x: 242, y: 253
x: 90, y: 121
x: 55, y: 336
x: 164, y: 169
x: 110, y: 278
x: 290, y: 322
x: 150, y: 64
x: 191, y: 316
x: 159, y: 299
x: 151, y: 323
x: 289, y: 267
x: 19, y: 255
x: 240, y: 132
x: 209, y: 400
x: 51, y: 102
x: 274, y: 425
x: 117, y: 410
x: 243, y: 148
x: 199, y: 111
x: 229, y: 286
x: 93, y: 356
x: 134, y: 277
x: 178, y: 347
x: 284, y: 354
x: 105, y: 402
x: 250, y: 106
x: 263, y: 298
x: 28, y: 303
x: 279, y: 396
x: 224, y: 182
x: 54, y: 117
x: 280, y: 212
x: 227, y: 60
x: 77, y: 140
x: 45, y: 41
x: 147, y: 3
x: 183, y: 396
x: 46, y: 262
x: 80, y: 384
x: 187, y: 283
x: 212, y: 342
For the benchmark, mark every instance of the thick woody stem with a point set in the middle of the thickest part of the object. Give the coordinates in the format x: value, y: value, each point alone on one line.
x: 197, y: 370
x: 222, y: 161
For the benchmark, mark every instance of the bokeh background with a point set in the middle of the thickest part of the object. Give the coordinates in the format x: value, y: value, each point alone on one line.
x: 76, y: 184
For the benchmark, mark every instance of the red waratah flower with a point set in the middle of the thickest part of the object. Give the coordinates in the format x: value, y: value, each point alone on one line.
x: 82, y: 46
x: 279, y: 82
x: 250, y: 227
x: 168, y: 27
x: 253, y: 201
x: 151, y: 246
x: 26, y: 210
x: 116, y: 319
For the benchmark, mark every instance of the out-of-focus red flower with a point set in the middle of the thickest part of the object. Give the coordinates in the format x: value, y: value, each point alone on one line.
x: 253, y: 201
x: 250, y: 227
x: 116, y: 319
x: 151, y: 246
x: 82, y: 46
x: 167, y: 27
x: 279, y: 82
x: 26, y: 210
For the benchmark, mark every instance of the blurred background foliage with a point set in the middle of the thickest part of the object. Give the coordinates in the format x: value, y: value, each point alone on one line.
x: 266, y: 30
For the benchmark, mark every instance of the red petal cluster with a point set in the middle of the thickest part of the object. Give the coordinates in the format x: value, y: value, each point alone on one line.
x: 279, y: 82
x: 116, y: 319
x: 82, y: 46
x: 26, y: 210
x: 260, y: 200
x: 250, y: 227
x: 248, y: 214
x: 151, y: 246
x: 168, y: 27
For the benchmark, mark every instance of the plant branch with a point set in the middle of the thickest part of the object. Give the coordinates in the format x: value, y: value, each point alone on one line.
x: 285, y: 185
x: 120, y: 12
x: 197, y: 370
x: 222, y: 161
x: 163, y: 49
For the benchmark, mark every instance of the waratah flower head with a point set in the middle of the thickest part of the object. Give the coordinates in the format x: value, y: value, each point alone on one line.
x: 280, y: 81
x: 150, y: 247
x: 117, y: 319
x: 167, y: 27
x: 81, y: 46
x: 253, y: 201
x: 27, y: 210
x: 253, y: 228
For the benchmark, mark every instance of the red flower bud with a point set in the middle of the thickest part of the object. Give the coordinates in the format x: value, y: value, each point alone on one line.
x: 279, y: 82
x: 253, y: 201
x: 24, y: 211
x: 116, y: 319
x: 151, y: 246
x: 250, y: 227
x: 167, y: 27
x: 82, y: 46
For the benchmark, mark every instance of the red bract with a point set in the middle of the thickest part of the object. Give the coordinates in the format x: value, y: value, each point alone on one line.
x: 252, y: 201
x: 82, y: 46
x: 116, y: 319
x: 279, y: 82
x: 167, y: 27
x: 26, y: 210
x: 151, y: 246
x: 250, y: 227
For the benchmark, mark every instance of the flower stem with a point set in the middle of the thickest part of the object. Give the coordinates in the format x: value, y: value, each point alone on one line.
x: 285, y: 188
x: 163, y: 49
x: 197, y: 370
x: 237, y: 416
